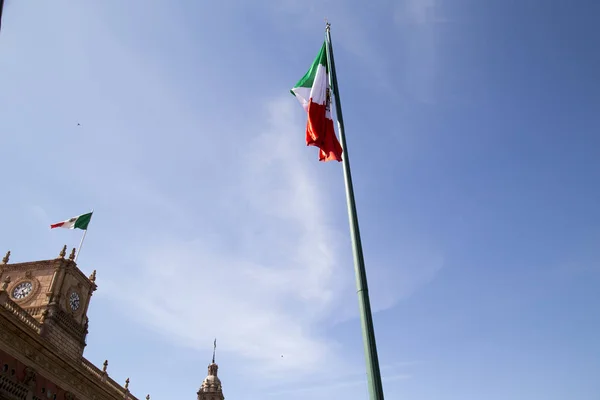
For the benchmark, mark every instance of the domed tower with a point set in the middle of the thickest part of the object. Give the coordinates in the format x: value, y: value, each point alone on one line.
x: 211, y: 388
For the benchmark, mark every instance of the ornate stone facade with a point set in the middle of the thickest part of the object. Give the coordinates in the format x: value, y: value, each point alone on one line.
x: 43, y: 326
x: 211, y: 388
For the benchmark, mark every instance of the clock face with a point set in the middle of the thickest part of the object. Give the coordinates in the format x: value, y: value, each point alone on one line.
x: 74, y: 301
x: 22, y: 290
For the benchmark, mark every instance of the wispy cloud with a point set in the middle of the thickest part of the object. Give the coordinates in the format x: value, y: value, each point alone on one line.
x: 350, y: 32
x: 272, y: 276
x: 416, y: 22
x: 398, y: 364
x: 39, y: 214
x: 338, y: 383
x: 263, y: 288
x: 265, y: 265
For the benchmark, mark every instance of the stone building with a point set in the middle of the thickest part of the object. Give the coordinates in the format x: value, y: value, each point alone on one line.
x: 211, y: 386
x: 43, y: 327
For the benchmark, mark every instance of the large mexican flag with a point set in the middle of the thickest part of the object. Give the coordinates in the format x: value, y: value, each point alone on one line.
x: 314, y: 94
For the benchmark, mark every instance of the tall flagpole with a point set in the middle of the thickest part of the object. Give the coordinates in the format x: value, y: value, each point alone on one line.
x: 81, y: 243
x: 366, y: 319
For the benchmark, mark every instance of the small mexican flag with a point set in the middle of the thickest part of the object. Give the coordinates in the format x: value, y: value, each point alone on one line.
x: 80, y: 222
x: 314, y: 94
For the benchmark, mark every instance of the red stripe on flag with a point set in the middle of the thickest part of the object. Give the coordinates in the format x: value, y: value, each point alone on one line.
x: 57, y: 225
x: 320, y: 133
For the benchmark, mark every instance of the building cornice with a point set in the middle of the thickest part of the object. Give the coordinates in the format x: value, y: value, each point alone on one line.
x: 21, y: 339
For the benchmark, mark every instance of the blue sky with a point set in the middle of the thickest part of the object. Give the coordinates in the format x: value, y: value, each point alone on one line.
x: 474, y: 134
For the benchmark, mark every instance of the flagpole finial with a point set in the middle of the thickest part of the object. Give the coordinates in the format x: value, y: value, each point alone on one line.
x: 63, y: 252
x: 72, y: 255
x: 327, y: 24
x: 6, y: 258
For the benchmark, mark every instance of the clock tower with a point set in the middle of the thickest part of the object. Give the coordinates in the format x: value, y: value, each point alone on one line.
x: 57, y: 294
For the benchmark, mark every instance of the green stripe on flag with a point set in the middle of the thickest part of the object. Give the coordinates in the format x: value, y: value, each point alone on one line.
x: 308, y: 79
x: 83, y: 221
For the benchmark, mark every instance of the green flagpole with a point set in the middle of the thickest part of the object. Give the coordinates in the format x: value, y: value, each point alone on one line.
x: 366, y: 319
x: 1, y: 9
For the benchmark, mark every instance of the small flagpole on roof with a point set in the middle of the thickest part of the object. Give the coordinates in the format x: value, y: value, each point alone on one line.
x: 214, y: 350
x: 82, y: 239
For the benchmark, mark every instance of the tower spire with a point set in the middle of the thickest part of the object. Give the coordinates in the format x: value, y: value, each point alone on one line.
x: 214, y: 350
x: 211, y: 388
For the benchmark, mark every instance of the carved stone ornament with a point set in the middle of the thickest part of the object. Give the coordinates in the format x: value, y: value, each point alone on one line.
x: 5, y: 283
x: 212, y: 369
x: 6, y: 258
x: 30, y: 376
